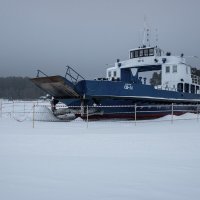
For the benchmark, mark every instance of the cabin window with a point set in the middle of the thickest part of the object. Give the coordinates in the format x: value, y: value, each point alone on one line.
x: 187, y: 87
x: 141, y: 53
x: 193, y: 89
x: 151, y: 52
x: 131, y: 54
x: 114, y: 73
x: 167, y: 69
x: 174, y: 68
x: 146, y: 52
x: 136, y: 54
x: 180, y: 87
x: 109, y: 74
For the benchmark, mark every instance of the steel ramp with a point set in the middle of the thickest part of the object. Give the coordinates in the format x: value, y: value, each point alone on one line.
x: 57, y: 86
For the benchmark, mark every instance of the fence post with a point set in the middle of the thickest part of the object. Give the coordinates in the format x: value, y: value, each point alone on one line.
x: 135, y: 113
x: 172, y: 113
x: 87, y: 116
x: 33, y: 115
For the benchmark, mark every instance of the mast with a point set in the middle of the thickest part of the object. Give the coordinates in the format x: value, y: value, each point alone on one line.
x: 146, y: 34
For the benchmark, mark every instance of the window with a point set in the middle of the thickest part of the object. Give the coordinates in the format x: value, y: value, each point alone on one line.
x: 167, y: 69
x: 187, y: 87
x: 141, y: 53
x: 146, y: 52
x: 180, y: 87
x: 114, y: 73
x: 193, y: 89
x: 109, y: 74
x: 136, y: 54
x: 151, y: 52
x: 197, y: 89
x: 174, y: 68
x: 131, y: 54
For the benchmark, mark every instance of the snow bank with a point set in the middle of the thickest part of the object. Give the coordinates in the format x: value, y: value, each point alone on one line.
x: 114, y: 160
x: 42, y: 113
x: 180, y: 117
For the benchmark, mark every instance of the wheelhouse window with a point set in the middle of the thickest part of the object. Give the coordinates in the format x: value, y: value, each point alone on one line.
x: 174, y: 68
x: 180, y: 87
x: 136, y: 54
x: 151, y: 52
x: 109, y: 74
x: 114, y: 73
x: 167, y: 69
x: 141, y: 53
x: 131, y: 54
x: 146, y: 52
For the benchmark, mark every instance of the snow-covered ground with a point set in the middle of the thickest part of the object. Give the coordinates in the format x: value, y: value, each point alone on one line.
x: 107, y: 160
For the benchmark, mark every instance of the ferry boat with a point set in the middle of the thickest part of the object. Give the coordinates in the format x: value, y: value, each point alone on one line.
x: 123, y: 92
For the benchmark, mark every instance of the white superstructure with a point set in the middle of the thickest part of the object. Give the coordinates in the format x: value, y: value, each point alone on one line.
x: 176, y: 74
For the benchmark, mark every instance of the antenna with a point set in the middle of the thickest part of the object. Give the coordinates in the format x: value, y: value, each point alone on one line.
x: 156, y: 36
x: 148, y: 37
x: 146, y: 34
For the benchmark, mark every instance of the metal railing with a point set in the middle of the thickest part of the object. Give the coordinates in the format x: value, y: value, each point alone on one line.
x: 73, y: 75
x: 40, y: 72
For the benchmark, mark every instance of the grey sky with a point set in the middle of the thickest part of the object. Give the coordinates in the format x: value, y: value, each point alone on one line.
x: 88, y: 34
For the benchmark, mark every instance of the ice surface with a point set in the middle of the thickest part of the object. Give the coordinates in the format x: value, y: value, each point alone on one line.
x: 106, y: 161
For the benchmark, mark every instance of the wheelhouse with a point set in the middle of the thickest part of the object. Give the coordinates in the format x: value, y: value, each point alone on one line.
x: 145, y: 52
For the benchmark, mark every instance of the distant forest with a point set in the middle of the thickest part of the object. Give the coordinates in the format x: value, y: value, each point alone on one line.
x: 19, y: 88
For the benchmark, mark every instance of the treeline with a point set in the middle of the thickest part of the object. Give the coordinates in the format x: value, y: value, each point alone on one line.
x: 19, y: 88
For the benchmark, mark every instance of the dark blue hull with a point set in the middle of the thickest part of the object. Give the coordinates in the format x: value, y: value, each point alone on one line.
x: 129, y: 109
x: 117, y: 99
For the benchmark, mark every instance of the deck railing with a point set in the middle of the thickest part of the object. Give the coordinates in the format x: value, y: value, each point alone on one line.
x: 73, y: 75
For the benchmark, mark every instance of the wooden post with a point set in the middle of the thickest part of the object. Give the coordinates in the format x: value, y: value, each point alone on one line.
x: 33, y: 115
x: 172, y: 113
x: 135, y: 113
x: 82, y: 108
x: 87, y: 116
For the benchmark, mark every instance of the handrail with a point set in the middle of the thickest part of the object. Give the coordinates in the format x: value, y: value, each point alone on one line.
x: 73, y: 78
x: 38, y: 73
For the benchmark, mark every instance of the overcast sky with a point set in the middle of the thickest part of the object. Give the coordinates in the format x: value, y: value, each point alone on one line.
x: 89, y: 34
